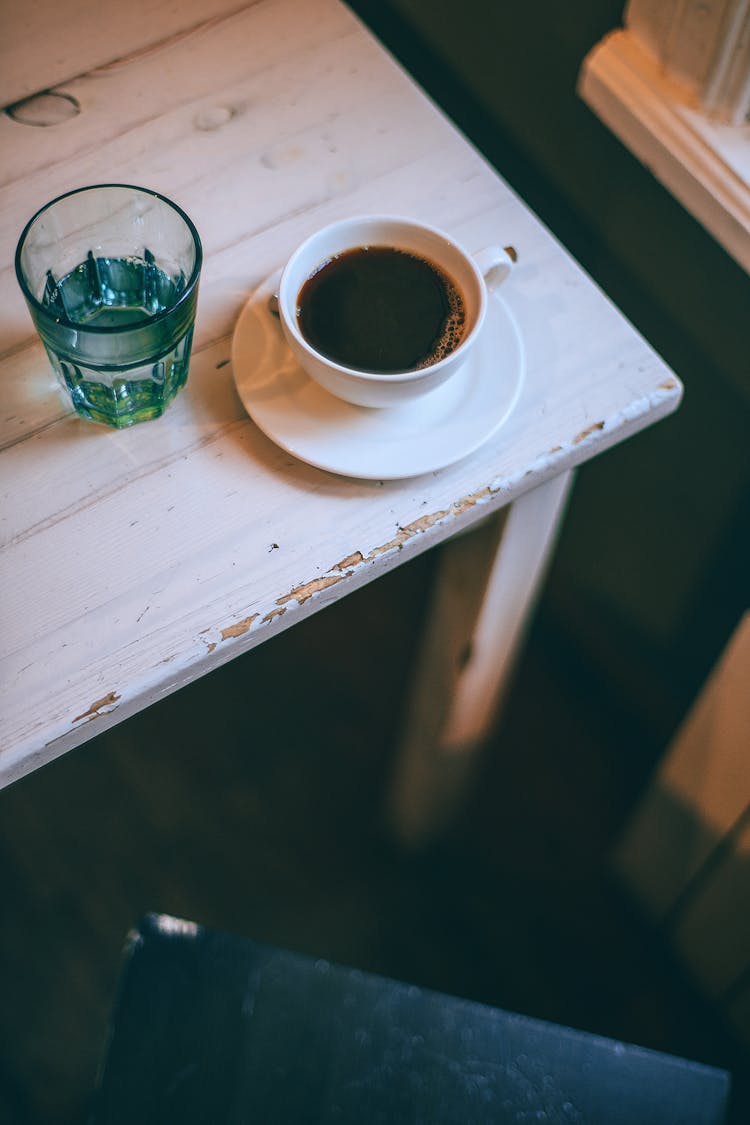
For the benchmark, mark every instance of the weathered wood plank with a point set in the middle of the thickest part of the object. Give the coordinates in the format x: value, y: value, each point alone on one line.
x: 700, y: 790
x: 133, y: 562
x: 66, y: 39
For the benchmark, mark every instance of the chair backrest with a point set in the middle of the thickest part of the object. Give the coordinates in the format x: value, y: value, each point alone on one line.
x: 214, y: 1028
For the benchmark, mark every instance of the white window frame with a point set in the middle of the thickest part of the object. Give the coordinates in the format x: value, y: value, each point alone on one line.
x: 674, y: 85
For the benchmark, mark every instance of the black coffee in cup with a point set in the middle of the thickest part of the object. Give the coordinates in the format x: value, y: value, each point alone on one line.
x: 382, y: 310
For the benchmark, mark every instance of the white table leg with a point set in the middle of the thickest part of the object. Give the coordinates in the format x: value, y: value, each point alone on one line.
x: 485, y: 589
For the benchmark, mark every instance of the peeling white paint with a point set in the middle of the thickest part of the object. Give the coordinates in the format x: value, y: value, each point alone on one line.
x: 145, y: 557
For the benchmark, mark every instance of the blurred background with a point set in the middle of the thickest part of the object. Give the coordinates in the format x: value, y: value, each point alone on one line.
x: 252, y: 801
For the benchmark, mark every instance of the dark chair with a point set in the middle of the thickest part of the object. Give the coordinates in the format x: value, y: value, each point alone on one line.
x: 216, y: 1029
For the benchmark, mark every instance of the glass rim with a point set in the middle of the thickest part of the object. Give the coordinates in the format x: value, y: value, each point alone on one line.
x: 101, y: 330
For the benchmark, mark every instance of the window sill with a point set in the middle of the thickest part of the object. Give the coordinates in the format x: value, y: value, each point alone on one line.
x: 706, y: 165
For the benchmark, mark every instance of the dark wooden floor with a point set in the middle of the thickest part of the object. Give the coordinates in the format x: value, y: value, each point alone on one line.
x: 252, y: 802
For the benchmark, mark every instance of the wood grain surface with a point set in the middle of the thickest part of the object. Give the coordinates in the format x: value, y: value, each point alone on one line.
x: 134, y: 561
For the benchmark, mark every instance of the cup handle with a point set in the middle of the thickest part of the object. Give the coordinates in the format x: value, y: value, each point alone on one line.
x: 495, y: 264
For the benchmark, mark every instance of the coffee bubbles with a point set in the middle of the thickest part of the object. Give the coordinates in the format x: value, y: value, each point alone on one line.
x: 381, y: 309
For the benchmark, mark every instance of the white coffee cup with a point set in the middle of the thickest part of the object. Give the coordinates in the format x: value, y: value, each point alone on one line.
x: 472, y: 274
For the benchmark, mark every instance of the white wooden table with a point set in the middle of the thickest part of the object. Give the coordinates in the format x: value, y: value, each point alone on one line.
x: 133, y: 562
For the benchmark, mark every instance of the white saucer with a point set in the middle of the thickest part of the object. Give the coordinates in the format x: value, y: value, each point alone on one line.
x: 375, y: 444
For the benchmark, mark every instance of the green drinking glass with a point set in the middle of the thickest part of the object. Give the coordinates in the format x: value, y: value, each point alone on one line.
x: 110, y: 275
